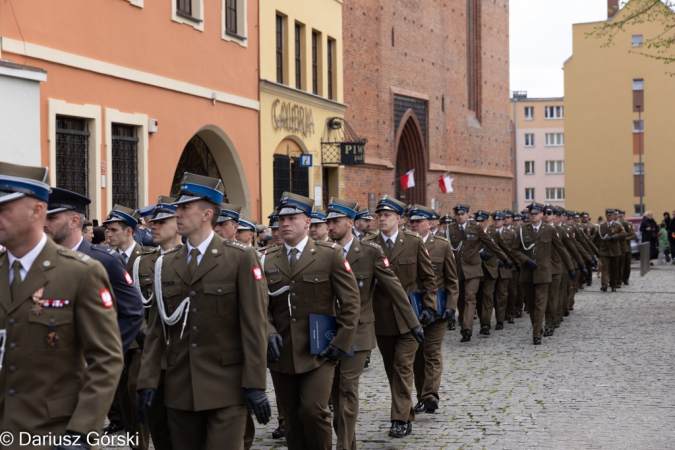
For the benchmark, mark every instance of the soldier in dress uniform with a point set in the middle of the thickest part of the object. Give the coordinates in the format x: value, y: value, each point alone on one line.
x: 228, y: 221
x: 512, y: 225
x: 533, y: 249
x: 212, y: 310
x: 516, y: 311
x: 318, y: 229
x: 428, y: 366
x: 609, y: 242
x: 306, y: 277
x: 246, y: 231
x: 65, y: 215
x: 410, y: 261
x: 362, y: 224
x: 624, y: 269
x: 60, y: 351
x: 371, y: 268
x: 579, y: 258
x: 142, y: 234
x: 468, y: 239
x: 505, y: 242
x: 443, y: 224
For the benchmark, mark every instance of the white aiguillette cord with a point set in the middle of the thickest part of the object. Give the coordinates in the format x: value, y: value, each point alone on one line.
x: 3, y: 339
x: 147, y: 302
x: 183, y: 307
x: 523, y: 243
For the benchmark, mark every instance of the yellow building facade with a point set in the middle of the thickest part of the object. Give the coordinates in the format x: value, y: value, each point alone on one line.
x: 301, y: 90
x: 607, y: 91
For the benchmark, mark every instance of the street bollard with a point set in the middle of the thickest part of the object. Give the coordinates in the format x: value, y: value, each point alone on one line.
x: 644, y: 258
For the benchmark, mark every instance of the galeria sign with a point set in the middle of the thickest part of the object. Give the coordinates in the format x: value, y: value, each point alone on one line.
x: 293, y: 118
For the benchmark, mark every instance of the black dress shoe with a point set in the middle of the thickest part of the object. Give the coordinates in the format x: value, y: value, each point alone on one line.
x: 626, y: 283
x: 557, y: 324
x: 367, y: 362
x: 511, y: 320
x: 519, y: 315
x: 581, y: 286
x: 420, y: 407
x: 589, y: 283
x: 485, y: 332
x: 566, y: 312
x: 113, y: 427
x: 603, y: 288
x: 432, y: 405
x: 408, y: 428
x: 571, y: 308
x: 536, y: 341
x: 548, y: 332
x: 451, y: 326
x: 466, y: 336
x: 499, y: 326
x: 613, y: 289
x: 398, y: 429
x: 618, y: 286
x: 279, y: 432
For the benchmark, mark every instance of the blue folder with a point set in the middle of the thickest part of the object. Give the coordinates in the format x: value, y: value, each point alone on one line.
x: 416, y: 302
x: 322, y: 330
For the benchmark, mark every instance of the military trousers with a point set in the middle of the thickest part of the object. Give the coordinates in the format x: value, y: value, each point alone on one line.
x: 129, y: 399
x: 553, y: 300
x: 520, y: 298
x: 610, y: 270
x: 212, y: 429
x: 398, y: 356
x: 466, y: 305
x: 501, y: 298
x: 345, y: 395
x: 485, y: 302
x: 536, y: 296
x: 428, y: 366
x: 304, y: 401
x: 625, y: 270
x: 513, y: 294
x: 158, y: 419
x: 562, y: 298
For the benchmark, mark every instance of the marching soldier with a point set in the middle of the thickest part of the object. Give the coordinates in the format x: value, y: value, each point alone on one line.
x: 533, y: 249
x: 362, y: 224
x: 212, y: 307
x: 624, y: 269
x: 505, y: 242
x: 371, y: 269
x: 306, y: 277
x: 318, y: 230
x: 246, y: 232
x: 142, y: 234
x: 410, y: 261
x: 60, y: 340
x: 228, y: 221
x: 609, y: 241
x: 512, y: 222
x: 468, y: 239
x: 428, y: 366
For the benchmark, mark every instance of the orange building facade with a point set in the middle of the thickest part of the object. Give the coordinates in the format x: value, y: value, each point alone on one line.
x: 138, y: 92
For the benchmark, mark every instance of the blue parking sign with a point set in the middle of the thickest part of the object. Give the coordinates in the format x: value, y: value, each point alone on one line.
x: 306, y: 160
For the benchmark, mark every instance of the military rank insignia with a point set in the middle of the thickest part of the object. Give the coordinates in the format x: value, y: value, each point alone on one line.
x: 52, y: 337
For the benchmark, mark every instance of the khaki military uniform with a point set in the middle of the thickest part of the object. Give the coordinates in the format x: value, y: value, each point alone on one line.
x: 561, y: 264
x: 611, y: 252
x: 538, y: 246
x: 628, y: 252
x: 428, y: 365
x: 220, y: 350
x: 62, y: 360
x: 371, y: 269
x: 575, y: 251
x: 512, y: 305
x: 502, y: 286
x: 467, y: 245
x: 486, y: 293
x: 303, y: 381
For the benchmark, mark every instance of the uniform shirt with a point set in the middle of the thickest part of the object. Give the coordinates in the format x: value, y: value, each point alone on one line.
x: 126, y: 254
x: 424, y: 239
x: 27, y: 260
x: 300, y: 247
x: 78, y: 244
x: 202, y: 248
x: 536, y: 229
x: 347, y: 247
x: 392, y: 237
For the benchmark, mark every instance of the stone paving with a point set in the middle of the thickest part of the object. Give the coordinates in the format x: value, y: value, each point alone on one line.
x: 605, y: 380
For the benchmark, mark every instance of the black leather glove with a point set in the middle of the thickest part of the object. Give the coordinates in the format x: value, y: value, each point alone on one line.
x: 584, y: 270
x: 500, y: 264
x: 485, y: 256
x: 418, y: 334
x: 145, y: 398
x: 572, y: 273
x: 531, y: 264
x: 594, y: 262
x: 508, y: 263
x: 140, y: 338
x: 274, y: 346
x: 333, y: 353
x: 609, y: 238
x: 427, y: 316
x: 517, y: 266
x: 72, y: 440
x: 448, y: 314
x: 257, y: 404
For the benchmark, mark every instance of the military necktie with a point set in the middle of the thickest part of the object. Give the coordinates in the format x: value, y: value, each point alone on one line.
x: 294, y: 257
x: 192, y: 265
x: 390, y: 245
x: 16, y: 282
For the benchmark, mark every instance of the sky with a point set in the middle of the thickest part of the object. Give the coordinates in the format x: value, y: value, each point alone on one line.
x: 540, y: 33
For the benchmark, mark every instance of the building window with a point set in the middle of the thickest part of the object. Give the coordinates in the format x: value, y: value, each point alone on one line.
x: 474, y: 56
x: 637, y: 40
x: 638, y: 169
x: 184, y: 7
x: 72, y: 154
x: 529, y: 113
x: 555, y: 194
x: 231, y: 16
x: 639, y: 85
x: 554, y: 112
x: 638, y: 126
x: 315, y: 63
x: 289, y: 177
x: 637, y: 211
x: 331, y: 65
x: 234, y: 21
x: 189, y: 12
x: 298, y: 56
x: 280, y: 49
x: 529, y: 194
x: 529, y: 140
x: 555, y: 166
x: 124, y: 165
x: 529, y: 167
x: 554, y: 139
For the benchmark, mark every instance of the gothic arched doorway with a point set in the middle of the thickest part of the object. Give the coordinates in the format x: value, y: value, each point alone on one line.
x: 196, y: 158
x: 410, y: 155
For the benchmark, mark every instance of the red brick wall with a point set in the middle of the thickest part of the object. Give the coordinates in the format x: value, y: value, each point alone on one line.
x: 428, y: 60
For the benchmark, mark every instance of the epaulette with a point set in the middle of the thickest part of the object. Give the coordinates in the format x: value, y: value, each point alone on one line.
x: 235, y: 244
x: 271, y: 249
x: 412, y: 233
x: 78, y: 256
x: 145, y: 250
x: 369, y: 237
x: 327, y: 244
x: 370, y: 243
x: 103, y: 249
x: 442, y: 238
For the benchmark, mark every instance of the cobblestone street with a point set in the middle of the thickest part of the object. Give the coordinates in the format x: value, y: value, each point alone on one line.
x: 604, y: 380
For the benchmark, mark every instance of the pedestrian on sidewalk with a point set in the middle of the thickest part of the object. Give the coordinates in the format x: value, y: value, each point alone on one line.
x: 663, y: 244
x: 649, y: 231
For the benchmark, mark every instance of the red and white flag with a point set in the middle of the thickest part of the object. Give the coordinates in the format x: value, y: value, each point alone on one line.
x: 408, y: 180
x: 445, y: 182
